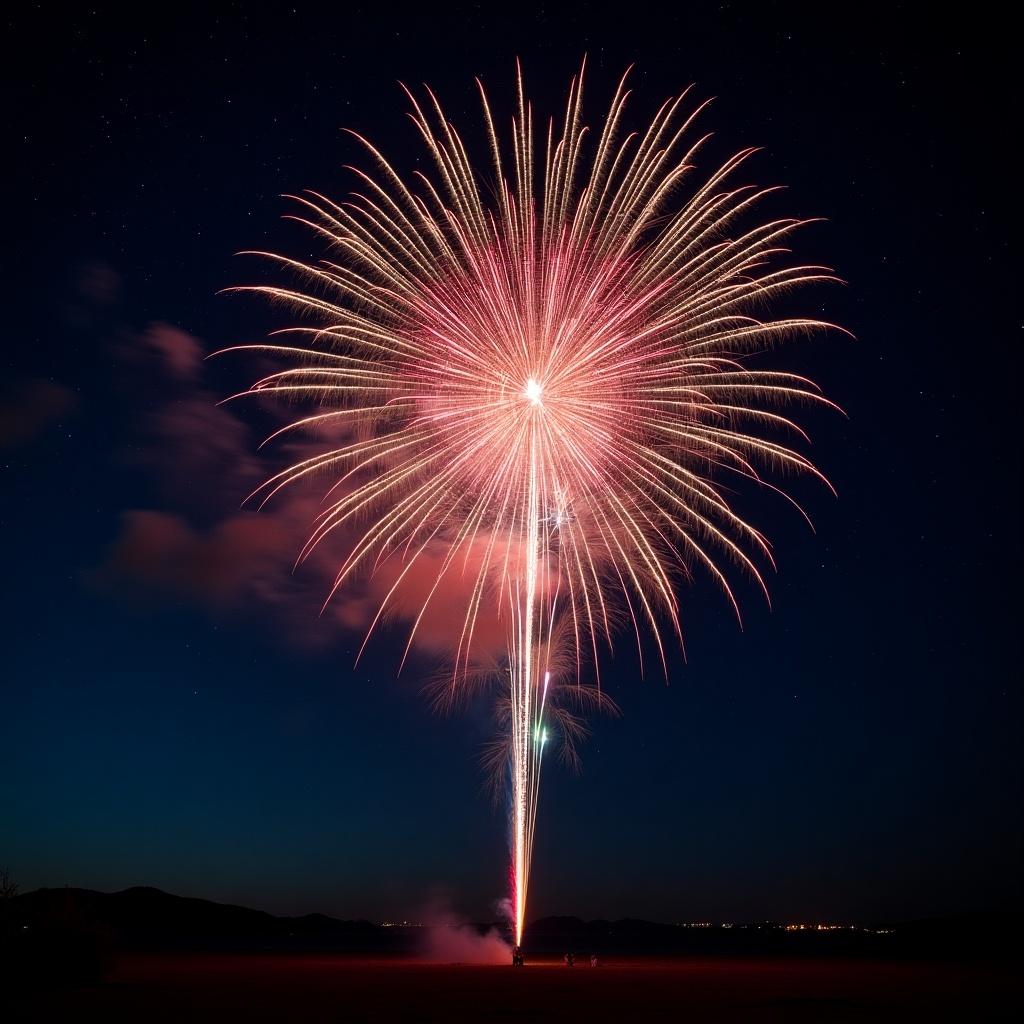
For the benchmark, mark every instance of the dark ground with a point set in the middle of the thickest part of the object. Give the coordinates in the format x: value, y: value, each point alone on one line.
x: 201, y: 987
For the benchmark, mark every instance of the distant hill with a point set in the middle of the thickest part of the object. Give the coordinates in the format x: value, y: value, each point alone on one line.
x: 145, y: 917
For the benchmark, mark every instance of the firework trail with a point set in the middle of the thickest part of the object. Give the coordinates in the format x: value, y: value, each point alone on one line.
x: 542, y: 374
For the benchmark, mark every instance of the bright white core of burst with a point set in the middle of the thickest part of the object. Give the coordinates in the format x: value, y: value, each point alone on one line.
x: 533, y: 391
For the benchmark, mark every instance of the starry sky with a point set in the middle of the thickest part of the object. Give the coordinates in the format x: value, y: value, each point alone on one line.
x: 176, y: 712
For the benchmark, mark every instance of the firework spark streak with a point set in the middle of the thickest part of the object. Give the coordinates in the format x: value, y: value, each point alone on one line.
x: 542, y: 374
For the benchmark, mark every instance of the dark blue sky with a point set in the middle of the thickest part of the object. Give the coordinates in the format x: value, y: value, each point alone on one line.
x: 849, y: 754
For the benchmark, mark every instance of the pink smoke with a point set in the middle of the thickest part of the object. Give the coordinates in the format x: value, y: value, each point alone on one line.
x: 448, y: 939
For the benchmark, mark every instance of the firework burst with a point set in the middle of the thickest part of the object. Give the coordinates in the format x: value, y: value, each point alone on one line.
x: 542, y: 376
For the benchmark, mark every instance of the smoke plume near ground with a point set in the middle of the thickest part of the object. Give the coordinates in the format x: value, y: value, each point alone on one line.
x: 446, y: 938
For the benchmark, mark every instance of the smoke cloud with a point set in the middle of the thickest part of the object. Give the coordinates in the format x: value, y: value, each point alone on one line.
x: 447, y: 938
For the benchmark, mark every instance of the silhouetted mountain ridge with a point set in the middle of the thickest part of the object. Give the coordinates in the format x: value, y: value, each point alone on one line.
x: 143, y: 916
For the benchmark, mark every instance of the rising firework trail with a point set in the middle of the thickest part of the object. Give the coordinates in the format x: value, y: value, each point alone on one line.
x: 542, y: 374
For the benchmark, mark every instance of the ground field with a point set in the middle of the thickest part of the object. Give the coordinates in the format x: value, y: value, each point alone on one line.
x: 267, y: 987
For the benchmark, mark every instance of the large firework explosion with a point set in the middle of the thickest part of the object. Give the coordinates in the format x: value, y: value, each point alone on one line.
x: 541, y: 373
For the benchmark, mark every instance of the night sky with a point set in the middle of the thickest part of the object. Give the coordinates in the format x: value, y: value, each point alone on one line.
x: 175, y: 713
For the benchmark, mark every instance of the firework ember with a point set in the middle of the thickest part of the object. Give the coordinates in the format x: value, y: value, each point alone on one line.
x: 542, y: 374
